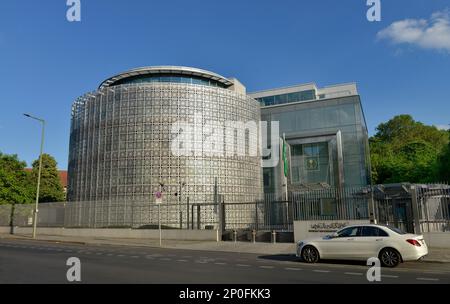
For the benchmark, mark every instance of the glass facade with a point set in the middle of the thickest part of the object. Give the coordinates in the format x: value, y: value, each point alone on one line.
x: 172, y: 78
x: 328, y: 143
x: 310, y: 163
x: 287, y: 98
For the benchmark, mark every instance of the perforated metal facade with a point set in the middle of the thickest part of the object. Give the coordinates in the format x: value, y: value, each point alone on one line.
x: 120, y: 145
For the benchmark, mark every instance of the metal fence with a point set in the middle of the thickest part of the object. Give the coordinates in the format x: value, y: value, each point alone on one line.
x: 5, y: 215
x: 412, y: 208
x: 141, y: 215
x: 434, y: 208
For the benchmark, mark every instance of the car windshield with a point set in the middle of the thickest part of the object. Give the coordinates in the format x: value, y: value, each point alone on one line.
x: 396, y: 230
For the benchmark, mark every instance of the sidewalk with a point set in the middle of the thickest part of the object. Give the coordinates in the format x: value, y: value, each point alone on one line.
x: 436, y: 255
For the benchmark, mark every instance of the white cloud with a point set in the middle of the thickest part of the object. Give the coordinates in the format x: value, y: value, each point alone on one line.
x: 433, y: 33
x: 443, y: 127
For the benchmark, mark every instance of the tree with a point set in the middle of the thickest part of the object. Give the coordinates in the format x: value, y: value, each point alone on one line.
x: 404, y: 150
x: 444, y: 164
x: 51, y: 189
x: 15, y: 182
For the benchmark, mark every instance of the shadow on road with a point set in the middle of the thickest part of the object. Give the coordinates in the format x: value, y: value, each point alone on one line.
x: 293, y: 258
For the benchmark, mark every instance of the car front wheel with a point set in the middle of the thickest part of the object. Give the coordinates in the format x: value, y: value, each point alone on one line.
x: 390, y: 257
x: 310, y: 254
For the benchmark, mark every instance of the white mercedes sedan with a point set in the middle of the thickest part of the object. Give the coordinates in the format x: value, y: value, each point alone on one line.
x: 361, y: 242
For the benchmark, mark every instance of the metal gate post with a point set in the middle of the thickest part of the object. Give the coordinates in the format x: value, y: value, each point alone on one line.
x: 198, y: 217
x: 192, y: 217
x: 187, y: 213
x: 415, y: 210
x: 256, y: 215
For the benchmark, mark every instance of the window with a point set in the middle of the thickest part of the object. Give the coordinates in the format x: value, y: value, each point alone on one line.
x: 295, y: 175
x: 396, y: 230
x: 266, y: 179
x: 296, y: 150
x: 348, y: 232
x: 373, y: 231
x: 287, y: 98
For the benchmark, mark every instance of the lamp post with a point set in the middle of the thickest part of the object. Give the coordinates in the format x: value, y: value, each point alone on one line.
x: 159, y: 198
x: 36, y: 210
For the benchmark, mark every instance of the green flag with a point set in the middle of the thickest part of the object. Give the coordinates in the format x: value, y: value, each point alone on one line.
x: 285, y: 160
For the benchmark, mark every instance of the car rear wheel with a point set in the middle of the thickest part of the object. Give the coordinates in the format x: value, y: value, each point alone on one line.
x: 389, y: 257
x: 310, y: 254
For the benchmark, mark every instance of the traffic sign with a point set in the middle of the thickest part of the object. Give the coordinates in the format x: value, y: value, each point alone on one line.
x: 158, y: 197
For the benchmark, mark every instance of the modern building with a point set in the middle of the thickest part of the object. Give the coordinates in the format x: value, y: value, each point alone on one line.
x: 121, y: 138
x: 327, y: 136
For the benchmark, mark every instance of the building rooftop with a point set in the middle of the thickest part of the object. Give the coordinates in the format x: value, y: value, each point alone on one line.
x: 166, y: 70
x: 303, y: 93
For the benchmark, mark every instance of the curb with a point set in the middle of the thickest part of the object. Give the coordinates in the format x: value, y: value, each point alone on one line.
x: 44, y: 240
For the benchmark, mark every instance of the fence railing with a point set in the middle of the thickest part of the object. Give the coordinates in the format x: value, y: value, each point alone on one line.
x: 424, y: 208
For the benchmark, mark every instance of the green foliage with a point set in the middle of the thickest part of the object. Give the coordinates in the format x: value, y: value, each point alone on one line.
x: 444, y: 164
x: 15, y: 183
x: 51, y: 189
x: 404, y: 150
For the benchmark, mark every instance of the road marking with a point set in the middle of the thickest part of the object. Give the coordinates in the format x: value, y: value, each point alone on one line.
x: 389, y: 276
x: 220, y: 263
x: 321, y: 271
x: 242, y: 265
x: 293, y: 269
x: 120, y: 255
x: 149, y: 257
x: 182, y: 260
x: 187, y: 256
x: 427, y: 279
x: 266, y: 267
x: 354, y: 273
x: 135, y: 257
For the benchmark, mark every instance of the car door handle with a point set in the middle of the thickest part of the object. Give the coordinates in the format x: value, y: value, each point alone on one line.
x: 379, y: 240
x: 350, y: 239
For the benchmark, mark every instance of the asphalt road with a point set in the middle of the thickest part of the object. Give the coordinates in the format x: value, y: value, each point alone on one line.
x: 45, y: 262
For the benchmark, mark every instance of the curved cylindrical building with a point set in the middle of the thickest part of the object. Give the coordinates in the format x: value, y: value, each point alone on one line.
x: 121, y: 140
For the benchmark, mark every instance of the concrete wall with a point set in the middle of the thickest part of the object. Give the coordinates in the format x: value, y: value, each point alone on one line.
x: 437, y: 239
x: 5, y: 230
x: 308, y: 229
x: 192, y: 235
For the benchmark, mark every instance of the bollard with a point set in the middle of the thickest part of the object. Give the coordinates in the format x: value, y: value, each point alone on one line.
x: 235, y: 235
x: 254, y: 236
x: 274, y: 237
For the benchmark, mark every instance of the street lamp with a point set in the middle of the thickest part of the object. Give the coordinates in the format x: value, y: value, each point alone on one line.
x: 36, y: 210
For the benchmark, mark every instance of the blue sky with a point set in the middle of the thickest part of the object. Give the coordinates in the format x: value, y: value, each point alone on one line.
x: 46, y: 62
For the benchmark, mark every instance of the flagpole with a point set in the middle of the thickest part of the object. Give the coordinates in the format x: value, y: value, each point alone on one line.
x: 285, y: 174
x: 284, y: 167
